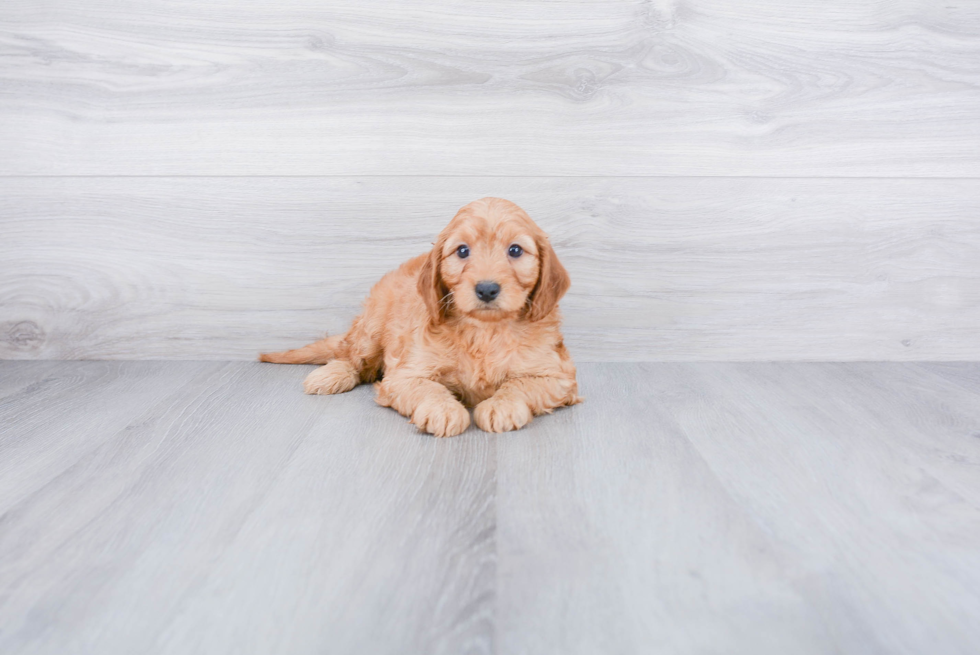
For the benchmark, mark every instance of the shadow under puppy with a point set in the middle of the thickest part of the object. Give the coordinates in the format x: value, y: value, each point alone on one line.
x: 473, y: 323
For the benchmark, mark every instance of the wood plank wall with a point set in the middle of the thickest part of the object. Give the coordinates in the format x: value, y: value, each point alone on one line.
x: 753, y: 180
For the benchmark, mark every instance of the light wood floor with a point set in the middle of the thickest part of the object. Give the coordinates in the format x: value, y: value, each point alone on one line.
x: 186, y: 507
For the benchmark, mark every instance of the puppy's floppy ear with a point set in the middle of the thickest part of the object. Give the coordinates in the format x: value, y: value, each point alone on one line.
x: 553, y: 282
x: 431, y: 287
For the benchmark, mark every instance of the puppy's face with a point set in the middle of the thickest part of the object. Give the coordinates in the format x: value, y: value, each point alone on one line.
x: 489, y: 266
x: 492, y: 263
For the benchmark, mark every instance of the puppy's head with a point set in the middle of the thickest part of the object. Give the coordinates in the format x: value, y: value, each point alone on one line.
x: 491, y: 263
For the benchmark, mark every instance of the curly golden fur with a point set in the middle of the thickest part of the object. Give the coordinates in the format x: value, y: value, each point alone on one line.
x: 473, y: 323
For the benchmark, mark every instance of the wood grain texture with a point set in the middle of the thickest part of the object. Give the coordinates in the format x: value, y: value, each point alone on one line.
x: 862, y: 477
x: 763, y: 508
x: 631, y: 87
x: 662, y: 269
x: 238, y: 515
x: 683, y: 508
x: 631, y: 544
x: 20, y: 377
x: 69, y: 410
x: 964, y: 374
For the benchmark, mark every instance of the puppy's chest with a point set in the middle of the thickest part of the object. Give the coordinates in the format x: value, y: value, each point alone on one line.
x: 477, y: 370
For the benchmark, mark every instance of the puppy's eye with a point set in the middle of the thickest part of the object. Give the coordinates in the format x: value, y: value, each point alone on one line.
x: 515, y: 250
x: 463, y: 251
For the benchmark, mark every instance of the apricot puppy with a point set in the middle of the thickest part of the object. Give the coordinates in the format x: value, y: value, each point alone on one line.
x: 473, y: 323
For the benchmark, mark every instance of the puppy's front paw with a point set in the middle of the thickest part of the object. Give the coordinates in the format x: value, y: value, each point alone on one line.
x: 502, y: 414
x: 441, y: 417
x: 336, y: 377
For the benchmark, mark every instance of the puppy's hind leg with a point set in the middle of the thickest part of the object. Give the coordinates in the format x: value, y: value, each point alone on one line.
x: 358, y: 359
x: 338, y: 376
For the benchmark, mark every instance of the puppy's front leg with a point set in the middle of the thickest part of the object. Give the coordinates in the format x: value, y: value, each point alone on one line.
x: 519, y: 399
x: 430, y: 406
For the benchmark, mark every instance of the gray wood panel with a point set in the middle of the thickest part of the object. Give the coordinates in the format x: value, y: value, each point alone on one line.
x: 69, y: 410
x: 614, y: 536
x: 239, y: 515
x: 702, y: 87
x: 662, y: 269
x: 19, y: 377
x: 861, y: 477
x: 744, y: 508
x: 696, y: 507
x: 964, y: 374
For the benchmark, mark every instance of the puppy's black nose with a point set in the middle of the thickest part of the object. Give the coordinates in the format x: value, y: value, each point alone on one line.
x: 487, y: 291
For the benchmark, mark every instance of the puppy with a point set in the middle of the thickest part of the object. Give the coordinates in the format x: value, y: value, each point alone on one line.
x: 473, y: 323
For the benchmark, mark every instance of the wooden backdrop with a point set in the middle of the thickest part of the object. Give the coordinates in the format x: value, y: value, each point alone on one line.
x: 724, y: 180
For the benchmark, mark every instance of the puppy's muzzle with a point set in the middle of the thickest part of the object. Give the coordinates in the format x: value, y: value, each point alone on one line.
x: 487, y: 291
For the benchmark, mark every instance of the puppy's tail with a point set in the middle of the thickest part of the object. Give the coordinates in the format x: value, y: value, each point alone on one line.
x: 319, y: 352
